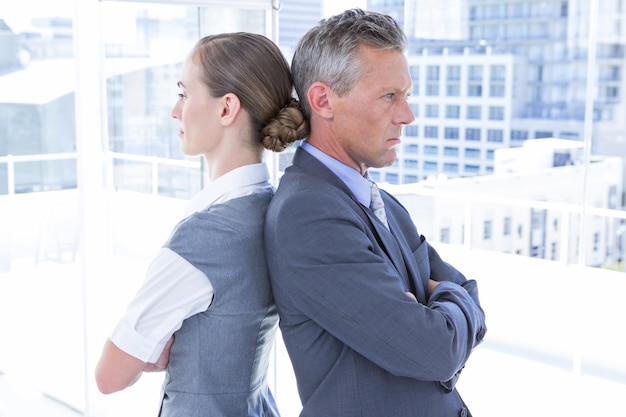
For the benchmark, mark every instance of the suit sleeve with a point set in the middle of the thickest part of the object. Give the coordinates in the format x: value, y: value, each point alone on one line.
x: 327, y: 267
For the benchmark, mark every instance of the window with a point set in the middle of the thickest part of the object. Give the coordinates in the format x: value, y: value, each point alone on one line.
x: 431, y: 150
x: 519, y: 134
x: 444, y: 235
x: 411, y: 131
x: 495, y: 135
x: 471, y: 169
x: 475, y: 72
x: 411, y: 148
x: 450, y: 167
x: 415, y: 109
x: 496, y: 90
x: 451, y: 133
x: 506, y: 227
x: 496, y: 113
x: 474, y: 90
x: 497, y: 73
x: 432, y: 89
x: 453, y: 90
x: 432, y: 73
x: 472, y: 134
x: 453, y: 111
x: 430, y: 166
x: 474, y: 112
x: 487, y: 229
x: 431, y: 110
x: 472, y: 153
x: 431, y: 132
x: 453, y: 72
x: 450, y: 151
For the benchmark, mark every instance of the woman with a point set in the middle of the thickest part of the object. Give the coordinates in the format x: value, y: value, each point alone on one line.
x: 206, y: 304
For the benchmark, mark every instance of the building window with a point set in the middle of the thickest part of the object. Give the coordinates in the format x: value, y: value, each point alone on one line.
x: 519, y: 134
x: 410, y: 178
x: 411, y: 130
x: 453, y: 90
x: 472, y: 153
x: 451, y: 167
x: 410, y: 163
x: 475, y: 90
x: 496, y: 113
x: 453, y: 111
x: 490, y: 154
x: 497, y: 73
x: 475, y: 73
x: 430, y: 166
x: 506, y: 227
x: 472, y: 134
x: 453, y: 73
x: 432, y: 89
x: 391, y: 177
x: 431, y: 110
x: 487, y: 226
x: 415, y: 109
x: 451, y: 151
x: 543, y: 134
x: 496, y: 90
x: 431, y: 132
x: 471, y: 169
x: 444, y: 235
x: 451, y: 133
x: 432, y: 73
x: 474, y: 112
x: 431, y: 150
x: 411, y: 148
x: 495, y: 135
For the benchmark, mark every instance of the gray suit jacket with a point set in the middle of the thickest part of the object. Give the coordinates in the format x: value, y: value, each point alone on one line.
x: 359, y: 345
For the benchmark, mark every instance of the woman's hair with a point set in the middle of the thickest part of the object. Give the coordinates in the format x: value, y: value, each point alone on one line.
x: 252, y: 67
x: 329, y: 51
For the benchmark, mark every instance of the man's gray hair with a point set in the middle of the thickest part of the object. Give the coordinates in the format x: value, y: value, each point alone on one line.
x: 329, y: 51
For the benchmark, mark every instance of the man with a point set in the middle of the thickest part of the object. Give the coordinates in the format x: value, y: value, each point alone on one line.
x: 375, y: 323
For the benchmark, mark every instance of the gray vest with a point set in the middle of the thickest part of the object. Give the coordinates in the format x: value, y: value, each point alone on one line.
x: 219, y: 360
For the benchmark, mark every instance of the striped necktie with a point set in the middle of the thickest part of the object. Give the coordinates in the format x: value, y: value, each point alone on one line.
x: 377, y: 205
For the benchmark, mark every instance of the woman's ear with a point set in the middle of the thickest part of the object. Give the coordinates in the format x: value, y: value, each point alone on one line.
x: 231, y: 107
x: 319, y: 95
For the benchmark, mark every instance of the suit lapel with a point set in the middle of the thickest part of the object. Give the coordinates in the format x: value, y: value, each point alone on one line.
x: 413, y: 276
x: 397, y: 249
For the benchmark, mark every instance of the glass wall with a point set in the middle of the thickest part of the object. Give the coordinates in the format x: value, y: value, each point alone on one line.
x: 92, y: 181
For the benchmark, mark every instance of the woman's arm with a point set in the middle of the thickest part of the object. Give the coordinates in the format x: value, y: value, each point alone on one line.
x: 117, y: 369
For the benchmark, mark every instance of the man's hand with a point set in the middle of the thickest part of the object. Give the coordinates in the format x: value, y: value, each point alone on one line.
x: 163, y: 360
x: 432, y: 285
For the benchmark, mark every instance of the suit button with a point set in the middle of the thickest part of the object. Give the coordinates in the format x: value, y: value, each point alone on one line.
x: 463, y: 412
x: 480, y: 336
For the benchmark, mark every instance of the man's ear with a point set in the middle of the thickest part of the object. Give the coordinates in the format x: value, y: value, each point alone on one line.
x: 319, y: 99
x: 231, y: 106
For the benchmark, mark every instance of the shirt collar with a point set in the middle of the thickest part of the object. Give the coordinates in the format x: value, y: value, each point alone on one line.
x: 359, y: 185
x: 239, y: 182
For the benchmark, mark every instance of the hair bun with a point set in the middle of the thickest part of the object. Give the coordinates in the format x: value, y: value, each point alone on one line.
x: 286, y: 128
